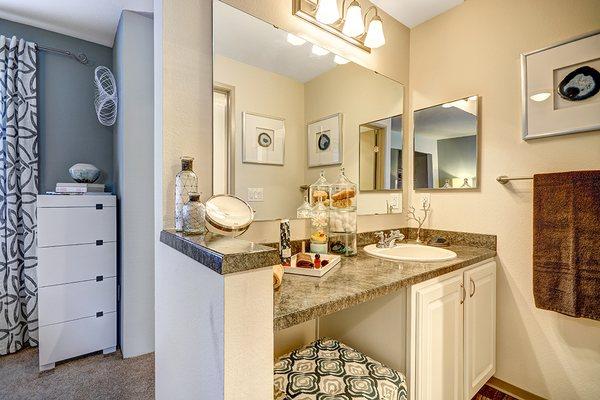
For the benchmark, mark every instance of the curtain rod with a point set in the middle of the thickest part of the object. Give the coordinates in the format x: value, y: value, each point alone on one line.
x: 81, y: 57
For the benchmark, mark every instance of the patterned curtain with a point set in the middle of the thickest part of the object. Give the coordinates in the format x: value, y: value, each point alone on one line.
x: 18, y: 191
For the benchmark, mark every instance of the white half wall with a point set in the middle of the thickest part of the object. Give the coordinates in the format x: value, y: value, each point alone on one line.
x: 133, y: 59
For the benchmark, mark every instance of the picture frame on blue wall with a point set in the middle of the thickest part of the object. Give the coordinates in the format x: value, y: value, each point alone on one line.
x: 560, y: 88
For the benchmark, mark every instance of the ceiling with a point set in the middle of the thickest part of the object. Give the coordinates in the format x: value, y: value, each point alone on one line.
x: 413, y: 12
x: 444, y: 123
x: 92, y: 20
x: 252, y: 41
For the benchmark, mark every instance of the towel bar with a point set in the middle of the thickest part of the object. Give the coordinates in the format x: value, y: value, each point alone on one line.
x: 503, y: 179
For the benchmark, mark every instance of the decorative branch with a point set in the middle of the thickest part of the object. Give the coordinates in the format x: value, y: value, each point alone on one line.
x: 426, y: 207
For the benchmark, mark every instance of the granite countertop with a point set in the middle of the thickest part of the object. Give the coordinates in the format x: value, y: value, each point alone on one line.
x: 223, y: 255
x: 359, y: 279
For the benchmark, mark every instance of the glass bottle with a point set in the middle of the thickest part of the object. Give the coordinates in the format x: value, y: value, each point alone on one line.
x: 343, y: 216
x: 194, y: 213
x: 319, y: 191
x: 304, y: 211
x: 319, y: 228
x: 186, y: 182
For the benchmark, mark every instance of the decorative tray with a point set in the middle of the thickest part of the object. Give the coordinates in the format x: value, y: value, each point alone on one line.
x: 332, y: 259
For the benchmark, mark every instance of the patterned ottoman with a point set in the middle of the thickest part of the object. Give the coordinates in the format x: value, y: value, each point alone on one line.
x: 328, y: 370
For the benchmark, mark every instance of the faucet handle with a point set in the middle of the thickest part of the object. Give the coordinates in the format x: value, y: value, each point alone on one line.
x: 381, y: 237
x: 397, y: 234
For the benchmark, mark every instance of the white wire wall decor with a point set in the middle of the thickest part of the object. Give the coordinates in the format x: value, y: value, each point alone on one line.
x: 105, y: 98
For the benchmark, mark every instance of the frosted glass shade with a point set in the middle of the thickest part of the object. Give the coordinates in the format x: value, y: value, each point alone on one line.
x: 340, y: 60
x: 353, y: 25
x: 319, y: 51
x: 327, y: 11
x: 375, y: 37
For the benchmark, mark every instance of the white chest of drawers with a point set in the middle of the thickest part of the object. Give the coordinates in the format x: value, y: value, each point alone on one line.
x: 77, y: 276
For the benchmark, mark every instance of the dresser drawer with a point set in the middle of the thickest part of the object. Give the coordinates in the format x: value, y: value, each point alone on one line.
x: 67, y: 264
x: 75, y: 225
x: 76, y: 300
x: 70, y: 339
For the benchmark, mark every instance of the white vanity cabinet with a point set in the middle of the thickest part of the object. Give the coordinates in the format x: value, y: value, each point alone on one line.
x: 452, y: 335
x: 77, y: 276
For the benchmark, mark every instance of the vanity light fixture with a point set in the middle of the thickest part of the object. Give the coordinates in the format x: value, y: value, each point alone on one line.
x: 374, y: 37
x: 340, y: 60
x: 354, y: 25
x: 348, y: 23
x: 327, y: 11
x: 319, y: 51
x: 540, y: 96
x: 295, y: 40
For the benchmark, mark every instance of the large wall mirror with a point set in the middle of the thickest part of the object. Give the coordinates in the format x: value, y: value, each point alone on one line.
x: 285, y: 109
x: 446, y: 142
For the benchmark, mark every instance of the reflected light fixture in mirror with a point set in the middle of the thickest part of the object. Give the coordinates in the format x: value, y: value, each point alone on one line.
x: 340, y: 60
x: 319, y: 51
x: 540, y: 96
x: 295, y: 40
x: 327, y: 11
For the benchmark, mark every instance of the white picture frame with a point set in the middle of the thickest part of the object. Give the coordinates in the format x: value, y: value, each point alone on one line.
x: 324, y: 138
x: 549, y: 114
x: 263, y: 139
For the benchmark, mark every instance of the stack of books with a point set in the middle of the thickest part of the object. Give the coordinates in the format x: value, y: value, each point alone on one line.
x: 79, y: 188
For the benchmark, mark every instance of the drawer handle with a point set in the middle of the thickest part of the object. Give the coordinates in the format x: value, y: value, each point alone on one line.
x: 464, y: 293
x: 99, y: 206
x: 99, y: 314
x: 473, y: 286
x: 99, y: 278
x: 99, y: 242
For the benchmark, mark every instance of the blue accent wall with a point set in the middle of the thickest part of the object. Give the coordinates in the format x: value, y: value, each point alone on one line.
x: 68, y: 128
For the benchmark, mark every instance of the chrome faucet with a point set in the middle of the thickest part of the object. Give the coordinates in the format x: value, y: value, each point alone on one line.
x: 386, y: 242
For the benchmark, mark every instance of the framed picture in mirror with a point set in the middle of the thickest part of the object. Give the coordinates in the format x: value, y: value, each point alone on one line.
x: 325, y: 141
x: 263, y: 139
x: 446, y: 145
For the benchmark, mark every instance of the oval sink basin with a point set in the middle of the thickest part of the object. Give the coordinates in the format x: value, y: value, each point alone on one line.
x: 411, y: 252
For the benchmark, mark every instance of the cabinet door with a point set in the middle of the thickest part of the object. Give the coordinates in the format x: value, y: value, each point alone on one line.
x: 480, y: 327
x: 438, y: 335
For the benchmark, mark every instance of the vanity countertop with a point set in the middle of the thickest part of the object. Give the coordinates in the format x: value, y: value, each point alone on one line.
x: 356, y: 280
x: 223, y: 255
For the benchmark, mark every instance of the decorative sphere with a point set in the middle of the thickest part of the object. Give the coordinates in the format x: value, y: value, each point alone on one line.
x: 84, y: 173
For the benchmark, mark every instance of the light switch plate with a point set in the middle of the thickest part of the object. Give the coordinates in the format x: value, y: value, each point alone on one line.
x: 255, y: 194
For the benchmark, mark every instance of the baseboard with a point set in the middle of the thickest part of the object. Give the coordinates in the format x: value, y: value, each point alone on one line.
x: 512, y: 390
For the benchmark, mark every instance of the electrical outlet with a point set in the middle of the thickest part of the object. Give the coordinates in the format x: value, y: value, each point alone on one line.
x: 255, y: 194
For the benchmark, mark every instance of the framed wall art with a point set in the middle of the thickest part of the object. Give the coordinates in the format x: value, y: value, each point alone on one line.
x: 263, y: 139
x: 325, y: 141
x: 560, y: 88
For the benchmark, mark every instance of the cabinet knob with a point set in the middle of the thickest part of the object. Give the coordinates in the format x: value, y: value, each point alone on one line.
x: 99, y: 206
x: 99, y: 314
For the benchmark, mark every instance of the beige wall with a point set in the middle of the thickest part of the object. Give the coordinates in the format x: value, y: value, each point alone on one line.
x: 474, y: 49
x: 263, y: 92
x: 362, y: 96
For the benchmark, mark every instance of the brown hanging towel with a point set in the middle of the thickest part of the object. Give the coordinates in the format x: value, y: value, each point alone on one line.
x: 566, y: 243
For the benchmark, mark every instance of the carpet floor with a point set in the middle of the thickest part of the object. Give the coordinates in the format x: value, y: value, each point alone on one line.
x: 98, y: 377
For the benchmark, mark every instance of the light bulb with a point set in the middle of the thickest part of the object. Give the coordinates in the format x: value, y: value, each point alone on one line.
x: 319, y: 51
x: 327, y: 11
x: 340, y: 60
x: 354, y: 25
x: 375, y: 37
x: 540, y: 96
x: 295, y: 40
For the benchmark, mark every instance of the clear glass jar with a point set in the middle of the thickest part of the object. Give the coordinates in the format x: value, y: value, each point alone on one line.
x: 343, y: 216
x: 186, y: 182
x: 319, y: 191
x: 194, y: 214
x: 319, y: 228
x: 305, y: 210
x: 343, y: 193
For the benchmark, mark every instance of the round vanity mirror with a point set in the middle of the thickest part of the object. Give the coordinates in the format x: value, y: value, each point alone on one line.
x: 228, y: 215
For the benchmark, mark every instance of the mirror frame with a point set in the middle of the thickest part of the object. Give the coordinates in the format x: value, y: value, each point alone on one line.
x: 381, y: 190
x: 477, y: 187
